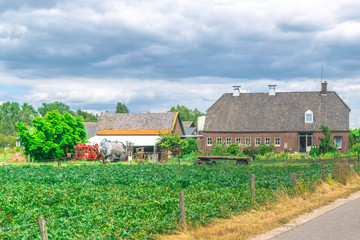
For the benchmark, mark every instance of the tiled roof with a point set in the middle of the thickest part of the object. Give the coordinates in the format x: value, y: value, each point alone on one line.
x: 135, y: 122
x: 259, y: 112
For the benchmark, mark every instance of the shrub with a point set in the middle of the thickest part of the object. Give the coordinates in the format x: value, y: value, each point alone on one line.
x: 326, y: 143
x: 233, y: 149
x: 315, y: 151
x: 263, y: 149
x: 250, y: 151
x: 190, y: 145
x: 218, y: 149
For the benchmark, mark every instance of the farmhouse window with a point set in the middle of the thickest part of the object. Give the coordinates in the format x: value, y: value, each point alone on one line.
x: 309, y: 118
x: 238, y: 140
x: 209, y: 141
x: 247, y: 141
x: 228, y: 141
x: 338, y: 141
x: 267, y: 141
x: 218, y: 140
x: 277, y: 141
x: 257, y: 141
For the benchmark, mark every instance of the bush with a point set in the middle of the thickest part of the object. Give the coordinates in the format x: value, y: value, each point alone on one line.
x: 315, y: 151
x: 326, y: 143
x: 233, y: 149
x: 218, y: 149
x: 250, y: 151
x: 190, y: 146
x: 263, y: 149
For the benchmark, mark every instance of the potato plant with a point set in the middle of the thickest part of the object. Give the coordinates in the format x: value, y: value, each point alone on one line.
x: 129, y: 202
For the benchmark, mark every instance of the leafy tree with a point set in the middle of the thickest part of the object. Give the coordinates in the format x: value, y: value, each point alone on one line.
x: 11, y: 113
x: 88, y: 117
x: 233, y: 149
x: 51, y: 135
x: 5, y: 140
x: 121, y: 108
x: 355, y: 136
x: 189, y: 146
x: 56, y: 106
x: 187, y: 114
x: 327, y: 145
x: 170, y: 141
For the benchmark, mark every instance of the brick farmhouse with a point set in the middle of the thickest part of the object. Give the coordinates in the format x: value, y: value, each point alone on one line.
x: 287, y: 120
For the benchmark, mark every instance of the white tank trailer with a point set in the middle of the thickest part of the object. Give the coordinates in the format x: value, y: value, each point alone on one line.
x: 113, y: 151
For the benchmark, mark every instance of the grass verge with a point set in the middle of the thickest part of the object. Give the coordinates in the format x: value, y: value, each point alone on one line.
x: 274, y: 215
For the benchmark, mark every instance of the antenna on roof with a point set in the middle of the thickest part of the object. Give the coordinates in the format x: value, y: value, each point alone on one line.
x: 236, y: 91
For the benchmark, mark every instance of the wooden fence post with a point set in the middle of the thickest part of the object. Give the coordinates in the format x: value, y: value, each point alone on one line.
x: 293, y: 179
x: 323, y: 174
x: 42, y: 224
x: 252, y: 187
x: 29, y: 158
x: 182, y: 210
x: 58, y: 160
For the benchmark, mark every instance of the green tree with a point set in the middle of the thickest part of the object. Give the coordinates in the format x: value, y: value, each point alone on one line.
x: 88, y: 117
x: 327, y: 144
x: 189, y: 146
x: 11, y: 113
x: 56, y: 106
x: 187, y: 114
x: 51, y: 135
x: 354, y: 136
x: 171, y: 141
x: 121, y: 108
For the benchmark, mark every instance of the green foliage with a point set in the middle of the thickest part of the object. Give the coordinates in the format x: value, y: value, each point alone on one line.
x: 264, y: 149
x: 134, y: 202
x: 326, y: 143
x: 218, y: 149
x: 11, y: 113
x: 354, y: 136
x: 314, y: 151
x: 5, y: 140
x: 88, y: 117
x: 250, y: 151
x: 187, y: 114
x: 121, y: 108
x: 233, y: 149
x: 56, y: 106
x: 189, y: 146
x: 51, y: 135
x: 170, y: 141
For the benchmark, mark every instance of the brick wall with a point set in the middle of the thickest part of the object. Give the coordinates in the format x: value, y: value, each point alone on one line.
x: 289, y: 140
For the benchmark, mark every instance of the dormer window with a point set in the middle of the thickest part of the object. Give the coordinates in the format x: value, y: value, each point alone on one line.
x: 309, y: 116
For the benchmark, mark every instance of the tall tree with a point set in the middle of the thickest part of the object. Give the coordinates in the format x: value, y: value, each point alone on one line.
x: 55, y: 106
x: 51, y: 135
x: 187, y: 114
x: 87, y: 117
x: 326, y: 143
x: 121, y: 108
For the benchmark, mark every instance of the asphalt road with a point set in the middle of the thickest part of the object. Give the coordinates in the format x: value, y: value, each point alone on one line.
x: 342, y: 222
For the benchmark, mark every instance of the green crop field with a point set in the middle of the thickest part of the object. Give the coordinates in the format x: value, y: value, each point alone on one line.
x: 130, y: 202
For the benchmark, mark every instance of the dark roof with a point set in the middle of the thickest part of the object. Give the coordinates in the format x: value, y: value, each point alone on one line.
x: 90, y: 127
x: 259, y: 112
x: 136, y: 121
x: 189, y: 130
x: 188, y: 124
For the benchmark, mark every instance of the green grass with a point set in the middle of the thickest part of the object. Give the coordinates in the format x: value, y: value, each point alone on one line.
x: 126, y: 201
x: 4, y: 155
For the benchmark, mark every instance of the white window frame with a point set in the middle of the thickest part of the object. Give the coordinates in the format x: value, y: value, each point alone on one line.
x: 209, y: 141
x: 277, y: 141
x: 267, y: 141
x: 340, y: 137
x: 238, y: 140
x: 248, y: 141
x: 310, y: 113
x: 228, y: 141
x: 257, y: 141
x: 218, y: 140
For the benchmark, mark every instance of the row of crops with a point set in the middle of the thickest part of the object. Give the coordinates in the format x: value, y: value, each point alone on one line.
x: 130, y: 202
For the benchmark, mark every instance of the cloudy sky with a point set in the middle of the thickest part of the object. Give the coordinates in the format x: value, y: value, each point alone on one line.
x: 152, y: 55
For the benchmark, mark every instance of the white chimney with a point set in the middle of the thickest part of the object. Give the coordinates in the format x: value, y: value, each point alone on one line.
x: 236, y: 91
x: 272, y: 90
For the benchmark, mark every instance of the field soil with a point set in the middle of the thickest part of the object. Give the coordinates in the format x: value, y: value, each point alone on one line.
x: 264, y: 219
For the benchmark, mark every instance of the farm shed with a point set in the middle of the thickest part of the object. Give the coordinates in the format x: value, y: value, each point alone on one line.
x: 142, y: 129
x: 89, y: 127
x: 287, y: 120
